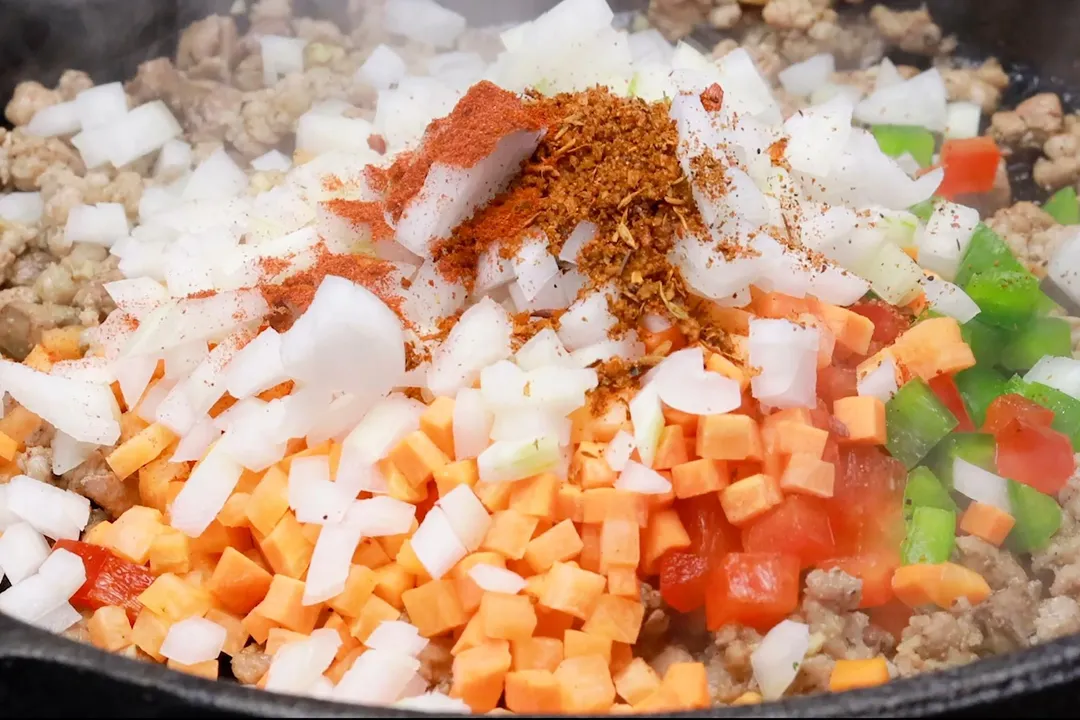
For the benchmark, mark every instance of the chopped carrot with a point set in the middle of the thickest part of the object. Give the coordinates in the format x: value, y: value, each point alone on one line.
x: 853, y: 331
x: 370, y: 554
x: 572, y: 590
x: 586, y: 427
x: 280, y: 636
x: 139, y: 450
x: 621, y: 655
x: 208, y: 669
x: 864, y: 418
x: 671, y: 448
x: 933, y: 347
x: 258, y: 626
x: 533, y: 691
x: 747, y: 698
x: 471, y: 636
x: 98, y: 534
x: 799, y: 438
x: 417, y: 457
x: 468, y: 592
x: 286, y: 548
x: 585, y: 685
x: 406, y: 558
x: 558, y: 544
x: 398, y: 486
x: 375, y: 611
x: 987, y: 522
x: 614, y: 617
x: 620, y: 543
x: 623, y: 581
x: 343, y: 664
x: 8, y: 447
x: 155, y: 478
x: 636, y: 681
x: 63, y: 343
x: 269, y: 501
x: 535, y: 496
x: 434, y: 607
x: 392, y: 544
x: 284, y: 605
x: 437, y: 422
x: 729, y: 437
x: 570, y: 503
x: 391, y: 581
x: 236, y: 636
x: 735, y: 320
x: 509, y: 534
x: 494, y: 496
x: 133, y: 533
x: 110, y: 628
x: 341, y: 626
x: 234, y: 513
x: 130, y: 426
x: 507, y: 617
x: 536, y: 653
x: 359, y: 586
x: 217, y: 537
x: 38, y: 359
x: 552, y: 623
x: 809, y: 475
x: 942, y: 585
x: 747, y: 499
x: 148, y: 633
x: 717, y: 363
x: 688, y: 682
x: 852, y: 674
x: 174, y: 599
x: 664, y: 532
x: 449, y: 476
x: 19, y: 423
x: 599, y: 504
x: 698, y: 477
x: 777, y: 304
x: 663, y: 342
x: 170, y: 551
x: 479, y: 673
x: 686, y: 421
x: 578, y: 644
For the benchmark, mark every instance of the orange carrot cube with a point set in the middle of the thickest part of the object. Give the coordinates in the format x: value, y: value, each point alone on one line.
x: 148, y: 633
x: 552, y: 623
x: 853, y: 331
x: 471, y: 636
x: 8, y: 447
x: 808, y: 475
x: 375, y: 612
x: 617, y: 618
x: 717, y: 363
x: 286, y: 548
x: 623, y: 581
x: 588, y: 467
x: 417, y: 457
x: 234, y: 512
x: 636, y: 681
x: 579, y: 644
x: 398, y: 486
x: 987, y: 522
x: 533, y: 691
x: 370, y: 554
x: 570, y: 503
x: 208, y: 669
x: 510, y: 533
x: 437, y: 422
x: 434, y: 607
x: 269, y: 501
x: 671, y: 449
x: 391, y: 581
x: 664, y: 532
x: 599, y: 504
x: 536, y: 495
x: 729, y: 437
x: 468, y: 592
x: 284, y: 605
x: 110, y: 628
x: 686, y: 421
x: 537, y: 653
x: 137, y: 451
x: 558, y: 544
x: 479, y: 673
x: 359, y: 585
x: 852, y: 674
x: 688, y: 682
x: 750, y: 498
x: 507, y: 617
x: 278, y: 637
x: 698, y: 477
x: 236, y: 636
x: 258, y: 626
x: 572, y: 590
x: 864, y: 418
x: 585, y: 685
x: 170, y: 551
x: 449, y: 476
x: 133, y: 533
x: 620, y: 544
x: 174, y: 599
x: 799, y: 438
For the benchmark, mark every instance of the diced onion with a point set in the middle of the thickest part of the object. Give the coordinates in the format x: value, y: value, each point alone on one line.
x: 68, y: 453
x: 22, y: 551
x: 436, y: 545
x: 55, y: 513
x: 777, y: 659
x: 193, y: 640
x: 949, y: 299
x: 101, y: 105
x: 638, y: 478
x: 383, y: 68
x: 945, y: 237
x: 424, y: 21
x: 381, y: 516
x: 880, y: 382
x: 378, y: 677
x: 962, y: 120
x: 395, y: 636
x: 803, y: 78
x: 53, y: 120
x: 480, y: 338
x: 981, y: 485
x: 683, y: 384
x: 466, y: 515
x: 496, y: 579
x: 472, y: 423
x: 21, y: 207
x: 586, y: 322
x: 918, y: 101
x: 297, y: 666
x: 1059, y: 373
x: 205, y: 492
x: 618, y: 451
x: 330, y: 562
x: 508, y: 460
x: 101, y: 224
x: 579, y: 238
x: 786, y: 357
x: 281, y: 56
x: 647, y: 418
x: 544, y: 349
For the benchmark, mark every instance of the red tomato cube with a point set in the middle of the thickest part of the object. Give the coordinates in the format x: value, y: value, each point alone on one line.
x: 1036, y: 456
x: 970, y: 166
x: 755, y: 589
x: 947, y: 392
x: 874, y: 569
x: 1006, y: 408
x: 799, y: 526
x: 684, y: 577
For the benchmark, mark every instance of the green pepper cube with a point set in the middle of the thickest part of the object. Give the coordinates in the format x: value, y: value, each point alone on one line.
x: 978, y: 387
x: 923, y: 489
x: 915, y: 421
x: 1041, y: 336
x: 923, y: 210
x: 1006, y: 298
x: 1037, y: 516
x: 986, y: 251
x: 931, y: 536
x: 986, y: 341
x: 895, y: 140
x: 976, y: 448
x: 1066, y: 408
x: 1063, y: 206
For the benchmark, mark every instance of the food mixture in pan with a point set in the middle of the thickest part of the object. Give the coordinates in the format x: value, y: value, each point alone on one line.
x: 553, y: 368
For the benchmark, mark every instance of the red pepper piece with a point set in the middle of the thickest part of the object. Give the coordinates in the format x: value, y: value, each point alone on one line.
x: 110, y: 580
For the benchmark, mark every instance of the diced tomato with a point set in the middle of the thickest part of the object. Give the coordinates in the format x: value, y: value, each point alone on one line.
x: 888, y: 321
x: 835, y: 382
x: 866, y: 509
x: 755, y: 589
x: 1036, y: 456
x: 945, y: 388
x: 970, y: 164
x: 799, y: 526
x: 874, y: 569
x: 684, y: 574
x: 1006, y: 408
x: 110, y: 580
x: 892, y: 617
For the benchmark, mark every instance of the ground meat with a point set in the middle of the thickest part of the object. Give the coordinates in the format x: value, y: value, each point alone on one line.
x: 21, y: 325
x: 29, y: 97
x: 1007, y: 617
x: 250, y: 664
x: 1061, y: 559
x: 814, y: 674
x: 676, y: 18
x: 208, y: 47
x: 36, y: 462
x: 94, y: 480
x: 981, y: 85
x: 26, y: 269
x: 834, y: 589
x: 1031, y: 124
x: 208, y: 109
x: 1061, y: 164
x: 14, y: 239
x: 938, y: 640
x: 1057, y: 617
x: 669, y: 656
x: 73, y: 82
x: 436, y: 661
x: 28, y: 157
x: 912, y: 31
x: 727, y: 662
x: 723, y: 686
x: 1031, y: 234
x: 319, y: 32
x: 797, y: 14
x: 999, y: 567
x: 828, y: 607
x: 655, y: 626
x: 271, y: 17
x: 725, y: 15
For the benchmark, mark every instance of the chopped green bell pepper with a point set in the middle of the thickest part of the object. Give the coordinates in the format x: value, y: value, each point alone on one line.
x: 1006, y: 298
x: 986, y: 251
x: 1066, y: 408
x: 895, y: 140
x: 1037, y: 516
x: 986, y: 341
x: 1063, y: 206
x: 1041, y: 336
x: 915, y: 421
x: 978, y: 387
x: 931, y: 536
x: 923, y: 210
x: 976, y: 448
x: 923, y: 489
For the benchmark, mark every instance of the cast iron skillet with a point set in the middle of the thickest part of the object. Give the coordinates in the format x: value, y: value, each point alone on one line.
x: 42, y: 674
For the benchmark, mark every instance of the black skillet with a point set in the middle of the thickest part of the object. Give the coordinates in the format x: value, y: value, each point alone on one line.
x: 45, y: 675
